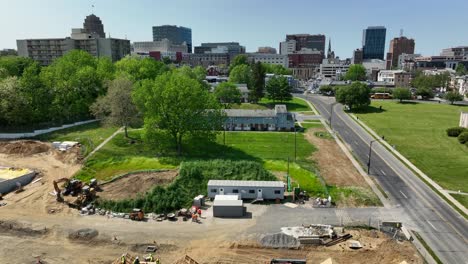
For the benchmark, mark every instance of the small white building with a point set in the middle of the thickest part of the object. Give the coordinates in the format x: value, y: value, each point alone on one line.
x: 388, y: 76
x: 268, y: 190
x: 228, y: 206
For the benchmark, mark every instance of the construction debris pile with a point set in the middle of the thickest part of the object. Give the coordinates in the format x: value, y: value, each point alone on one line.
x: 316, y: 234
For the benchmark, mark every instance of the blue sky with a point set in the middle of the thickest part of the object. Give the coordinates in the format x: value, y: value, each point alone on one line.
x: 433, y: 24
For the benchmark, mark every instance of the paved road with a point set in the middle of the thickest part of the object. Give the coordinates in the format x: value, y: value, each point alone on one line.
x: 440, y: 226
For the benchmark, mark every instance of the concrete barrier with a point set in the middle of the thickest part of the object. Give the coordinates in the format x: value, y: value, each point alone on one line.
x: 42, y: 131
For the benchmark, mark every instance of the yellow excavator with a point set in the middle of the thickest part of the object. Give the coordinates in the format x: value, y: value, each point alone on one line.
x: 85, y: 194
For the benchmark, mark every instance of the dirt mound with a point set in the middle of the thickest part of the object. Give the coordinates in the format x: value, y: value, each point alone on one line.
x: 130, y: 185
x: 335, y: 167
x: 83, y: 234
x: 24, y: 147
x: 16, y: 229
x: 71, y: 156
x: 279, y: 240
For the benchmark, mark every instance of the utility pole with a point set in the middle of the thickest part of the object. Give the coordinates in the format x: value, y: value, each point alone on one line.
x: 370, y: 153
x: 295, y: 144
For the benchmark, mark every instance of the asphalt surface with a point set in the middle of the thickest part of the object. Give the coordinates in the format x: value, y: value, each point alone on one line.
x: 441, y: 227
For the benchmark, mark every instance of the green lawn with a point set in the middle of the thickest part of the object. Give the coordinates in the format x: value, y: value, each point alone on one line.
x: 295, y: 105
x: 312, y: 125
x: 463, y: 199
x: 418, y: 132
x: 89, y: 135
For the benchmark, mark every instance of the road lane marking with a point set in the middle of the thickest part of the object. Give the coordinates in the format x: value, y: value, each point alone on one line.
x: 397, y: 172
x: 406, y: 197
x: 432, y: 225
x: 383, y: 172
x: 355, y: 142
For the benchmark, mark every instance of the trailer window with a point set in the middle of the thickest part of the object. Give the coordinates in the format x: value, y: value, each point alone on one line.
x: 277, y: 192
x: 235, y: 191
x: 251, y: 191
x: 214, y: 190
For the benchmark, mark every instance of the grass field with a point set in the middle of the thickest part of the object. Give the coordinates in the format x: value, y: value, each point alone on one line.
x: 463, y: 199
x: 418, y: 132
x: 271, y: 149
x: 295, y: 105
x: 89, y: 135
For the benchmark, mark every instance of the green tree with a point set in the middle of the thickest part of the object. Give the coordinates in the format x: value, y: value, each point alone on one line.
x: 117, y: 107
x: 228, y: 93
x: 39, y: 96
x: 402, y: 94
x: 137, y: 69
x: 14, y: 65
x: 278, y: 89
x: 241, y: 74
x: 326, y: 89
x: 105, y: 69
x: 14, y: 106
x: 425, y: 92
x: 276, y: 69
x: 356, y: 72
x: 75, y: 84
x: 238, y: 60
x: 460, y: 70
x: 453, y: 96
x: 177, y: 105
x: 355, y: 95
x: 257, y: 82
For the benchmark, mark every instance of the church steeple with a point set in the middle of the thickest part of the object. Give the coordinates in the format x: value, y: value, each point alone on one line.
x: 330, y: 53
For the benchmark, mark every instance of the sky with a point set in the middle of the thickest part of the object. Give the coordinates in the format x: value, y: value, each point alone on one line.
x: 433, y: 24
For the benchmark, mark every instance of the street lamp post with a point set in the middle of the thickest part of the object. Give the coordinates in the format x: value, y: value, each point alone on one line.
x: 370, y: 153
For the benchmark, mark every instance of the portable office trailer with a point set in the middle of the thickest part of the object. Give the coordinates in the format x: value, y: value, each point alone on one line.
x: 267, y: 190
x: 228, y: 206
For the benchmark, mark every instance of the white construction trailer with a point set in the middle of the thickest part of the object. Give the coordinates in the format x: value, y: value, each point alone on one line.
x: 260, y: 190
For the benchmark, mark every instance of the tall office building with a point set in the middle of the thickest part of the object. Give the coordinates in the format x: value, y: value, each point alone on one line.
x: 177, y: 35
x: 308, y: 41
x: 373, y: 43
x: 398, y: 46
x: 93, y: 25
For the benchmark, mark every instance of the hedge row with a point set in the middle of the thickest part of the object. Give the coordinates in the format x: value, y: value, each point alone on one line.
x: 191, y: 181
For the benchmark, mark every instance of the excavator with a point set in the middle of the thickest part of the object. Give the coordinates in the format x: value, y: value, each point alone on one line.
x: 85, y: 193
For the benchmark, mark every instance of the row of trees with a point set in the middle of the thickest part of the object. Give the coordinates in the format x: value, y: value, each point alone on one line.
x: 63, y: 91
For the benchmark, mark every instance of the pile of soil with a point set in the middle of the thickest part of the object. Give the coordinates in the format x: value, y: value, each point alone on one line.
x: 335, y: 167
x: 24, y: 147
x: 279, y: 240
x: 83, y: 234
x: 17, y: 229
x: 71, y: 156
x: 131, y: 185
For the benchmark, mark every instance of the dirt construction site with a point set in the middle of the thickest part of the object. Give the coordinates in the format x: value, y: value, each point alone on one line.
x: 34, y: 226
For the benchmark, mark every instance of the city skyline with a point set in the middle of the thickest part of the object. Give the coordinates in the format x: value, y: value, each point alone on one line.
x: 251, y: 26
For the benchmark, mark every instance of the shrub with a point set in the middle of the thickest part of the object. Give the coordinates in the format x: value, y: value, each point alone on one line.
x: 455, y: 131
x: 463, y: 137
x: 192, y: 180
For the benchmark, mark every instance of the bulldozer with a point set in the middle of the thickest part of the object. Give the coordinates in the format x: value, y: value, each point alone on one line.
x: 137, y: 215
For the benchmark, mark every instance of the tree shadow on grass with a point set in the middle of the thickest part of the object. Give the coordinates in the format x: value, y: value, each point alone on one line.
x: 407, y: 103
x: 368, y: 110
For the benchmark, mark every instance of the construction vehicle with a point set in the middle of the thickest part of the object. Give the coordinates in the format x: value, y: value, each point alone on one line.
x: 137, y: 215
x: 85, y: 194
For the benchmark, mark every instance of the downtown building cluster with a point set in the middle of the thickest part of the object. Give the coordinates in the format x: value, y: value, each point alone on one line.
x: 304, y: 54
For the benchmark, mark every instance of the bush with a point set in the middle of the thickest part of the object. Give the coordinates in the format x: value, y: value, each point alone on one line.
x: 463, y: 137
x: 455, y: 131
x: 192, y: 181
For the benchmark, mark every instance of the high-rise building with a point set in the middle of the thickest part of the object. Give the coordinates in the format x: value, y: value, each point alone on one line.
x: 308, y: 41
x: 45, y: 51
x: 177, y: 35
x: 93, y: 25
x: 455, y: 51
x: 164, y: 45
x: 231, y: 48
x: 373, y: 43
x: 357, y: 56
x: 287, y: 47
x: 398, y: 46
x: 266, y: 50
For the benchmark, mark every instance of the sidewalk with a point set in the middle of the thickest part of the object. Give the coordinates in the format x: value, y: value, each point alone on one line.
x: 103, y: 143
x: 412, y: 166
